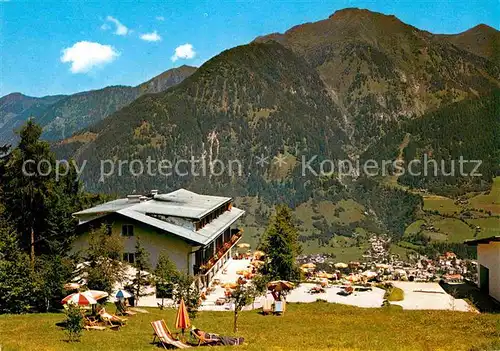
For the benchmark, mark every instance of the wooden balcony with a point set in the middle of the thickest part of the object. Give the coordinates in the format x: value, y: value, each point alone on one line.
x: 207, y: 271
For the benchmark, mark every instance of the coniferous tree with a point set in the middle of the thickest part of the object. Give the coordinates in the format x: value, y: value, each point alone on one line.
x: 185, y: 288
x: 52, y: 272
x: 17, y: 278
x: 37, y: 202
x: 142, y: 265
x: 104, y: 267
x: 281, y: 244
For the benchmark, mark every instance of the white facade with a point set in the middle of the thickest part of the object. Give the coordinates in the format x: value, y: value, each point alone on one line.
x: 196, y: 231
x: 488, y: 255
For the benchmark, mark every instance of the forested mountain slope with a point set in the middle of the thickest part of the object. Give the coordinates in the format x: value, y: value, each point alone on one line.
x: 61, y: 116
x: 379, y: 69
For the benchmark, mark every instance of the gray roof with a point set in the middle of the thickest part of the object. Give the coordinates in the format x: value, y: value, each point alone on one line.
x: 108, y: 207
x: 180, y: 203
x: 474, y: 242
x: 183, y: 203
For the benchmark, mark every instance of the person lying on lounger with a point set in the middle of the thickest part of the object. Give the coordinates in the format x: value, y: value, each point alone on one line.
x: 216, y: 339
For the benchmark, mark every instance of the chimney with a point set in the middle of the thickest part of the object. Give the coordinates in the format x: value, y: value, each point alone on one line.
x: 134, y: 198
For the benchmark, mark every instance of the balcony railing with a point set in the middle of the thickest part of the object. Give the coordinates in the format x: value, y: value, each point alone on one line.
x: 207, y: 270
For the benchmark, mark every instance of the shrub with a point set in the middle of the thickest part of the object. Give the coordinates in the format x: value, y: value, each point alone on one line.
x: 74, y: 323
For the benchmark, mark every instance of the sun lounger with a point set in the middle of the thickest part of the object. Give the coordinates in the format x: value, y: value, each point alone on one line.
x: 94, y: 327
x: 114, y: 322
x: 211, y: 339
x: 203, y: 341
x: 122, y: 310
x: 91, y: 324
x: 164, y: 336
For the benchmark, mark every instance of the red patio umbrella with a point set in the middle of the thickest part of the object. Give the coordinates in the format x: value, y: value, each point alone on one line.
x: 80, y: 299
x: 182, y: 320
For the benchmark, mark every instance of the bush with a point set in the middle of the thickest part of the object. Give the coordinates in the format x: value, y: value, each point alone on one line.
x: 395, y: 294
x: 74, y: 323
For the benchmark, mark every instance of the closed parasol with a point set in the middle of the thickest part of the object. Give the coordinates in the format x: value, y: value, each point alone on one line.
x: 182, y: 320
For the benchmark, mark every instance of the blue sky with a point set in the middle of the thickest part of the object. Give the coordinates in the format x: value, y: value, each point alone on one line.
x: 33, y: 34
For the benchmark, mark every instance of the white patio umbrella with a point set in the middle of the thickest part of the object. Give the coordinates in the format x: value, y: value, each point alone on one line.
x: 97, y: 294
x: 369, y: 274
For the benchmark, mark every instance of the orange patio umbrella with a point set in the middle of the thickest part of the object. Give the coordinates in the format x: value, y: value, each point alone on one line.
x: 182, y: 320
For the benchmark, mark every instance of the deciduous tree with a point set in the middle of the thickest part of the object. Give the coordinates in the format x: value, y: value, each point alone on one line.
x: 166, y: 274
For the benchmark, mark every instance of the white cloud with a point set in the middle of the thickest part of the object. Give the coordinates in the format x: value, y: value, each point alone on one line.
x: 160, y: 18
x: 121, y: 29
x: 184, y: 51
x: 85, y: 55
x: 153, y: 36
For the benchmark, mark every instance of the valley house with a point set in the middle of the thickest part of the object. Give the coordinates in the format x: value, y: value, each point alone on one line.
x: 196, y: 231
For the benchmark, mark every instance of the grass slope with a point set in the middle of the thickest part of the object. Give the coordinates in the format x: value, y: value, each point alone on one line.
x: 317, y: 326
x: 489, y: 201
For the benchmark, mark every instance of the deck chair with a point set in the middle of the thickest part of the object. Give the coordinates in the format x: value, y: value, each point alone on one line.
x: 114, y: 322
x: 279, y: 307
x: 122, y: 310
x: 94, y: 327
x: 204, y: 342
x: 165, y: 337
x: 89, y: 324
x: 112, y: 325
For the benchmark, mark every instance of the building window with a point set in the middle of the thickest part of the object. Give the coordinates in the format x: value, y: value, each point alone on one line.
x: 127, y: 230
x: 129, y: 257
